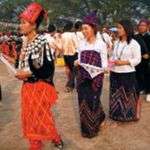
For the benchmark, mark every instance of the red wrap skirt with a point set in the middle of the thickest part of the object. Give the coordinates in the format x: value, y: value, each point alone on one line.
x: 37, y: 120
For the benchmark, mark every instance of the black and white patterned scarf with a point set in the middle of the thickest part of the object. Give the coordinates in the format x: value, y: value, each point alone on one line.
x: 35, y: 48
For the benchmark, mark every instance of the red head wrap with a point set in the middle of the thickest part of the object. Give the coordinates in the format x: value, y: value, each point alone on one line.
x: 32, y: 12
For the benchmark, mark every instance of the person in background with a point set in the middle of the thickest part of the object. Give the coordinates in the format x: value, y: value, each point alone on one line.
x: 107, y: 38
x: 69, y: 51
x: 113, y: 35
x: 143, y: 69
x: 50, y: 38
x: 124, y: 95
x: 78, y: 34
x: 140, y: 69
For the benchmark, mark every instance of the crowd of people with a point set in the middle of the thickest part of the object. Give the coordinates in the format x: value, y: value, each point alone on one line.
x: 122, y: 52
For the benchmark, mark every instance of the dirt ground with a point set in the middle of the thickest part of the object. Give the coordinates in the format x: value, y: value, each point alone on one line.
x: 127, y: 136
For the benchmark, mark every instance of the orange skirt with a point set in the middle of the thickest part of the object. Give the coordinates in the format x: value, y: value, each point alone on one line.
x: 37, y: 119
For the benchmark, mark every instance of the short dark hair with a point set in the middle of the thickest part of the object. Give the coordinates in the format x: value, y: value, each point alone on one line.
x: 68, y: 26
x: 51, y: 28
x: 77, y: 25
x: 129, y: 29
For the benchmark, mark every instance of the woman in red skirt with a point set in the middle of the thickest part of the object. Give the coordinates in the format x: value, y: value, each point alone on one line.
x: 36, y: 68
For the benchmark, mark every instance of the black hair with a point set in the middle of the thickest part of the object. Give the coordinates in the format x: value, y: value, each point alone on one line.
x: 51, y: 28
x: 77, y: 25
x: 68, y: 26
x: 129, y: 29
x: 40, y: 19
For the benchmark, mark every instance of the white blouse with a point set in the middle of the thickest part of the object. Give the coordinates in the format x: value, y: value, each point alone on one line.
x: 127, y: 52
x: 68, y: 43
x: 78, y: 36
x: 98, y: 46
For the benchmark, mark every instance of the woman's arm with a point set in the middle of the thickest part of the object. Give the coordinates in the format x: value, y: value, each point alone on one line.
x: 104, y: 55
x: 23, y: 75
x: 134, y: 60
x: 136, y: 54
x: 9, y: 59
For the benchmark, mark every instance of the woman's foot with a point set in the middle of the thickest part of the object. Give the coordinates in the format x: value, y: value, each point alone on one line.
x: 109, y: 123
x: 59, y: 145
x: 148, y: 98
x: 89, y: 136
x: 142, y: 92
x: 68, y: 89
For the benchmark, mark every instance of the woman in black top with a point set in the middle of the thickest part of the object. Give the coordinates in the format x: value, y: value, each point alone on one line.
x: 143, y: 69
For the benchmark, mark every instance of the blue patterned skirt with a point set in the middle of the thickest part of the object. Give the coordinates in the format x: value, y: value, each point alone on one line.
x: 124, y: 97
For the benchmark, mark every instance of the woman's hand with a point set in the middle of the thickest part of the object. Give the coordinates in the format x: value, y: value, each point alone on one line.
x: 145, y: 56
x: 22, y: 75
x: 9, y: 59
x: 106, y: 71
x: 121, y: 62
x: 76, y: 63
x: 22, y: 55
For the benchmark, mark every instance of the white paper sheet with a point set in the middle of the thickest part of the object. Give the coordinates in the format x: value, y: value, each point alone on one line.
x: 92, y: 70
x: 9, y: 66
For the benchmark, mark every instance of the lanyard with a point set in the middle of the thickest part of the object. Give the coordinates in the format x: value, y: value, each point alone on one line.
x: 119, y: 55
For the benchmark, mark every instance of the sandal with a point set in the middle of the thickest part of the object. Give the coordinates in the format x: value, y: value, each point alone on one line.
x: 68, y: 89
x: 59, y: 146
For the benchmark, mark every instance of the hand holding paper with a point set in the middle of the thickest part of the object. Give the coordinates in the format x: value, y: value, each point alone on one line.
x: 6, y: 62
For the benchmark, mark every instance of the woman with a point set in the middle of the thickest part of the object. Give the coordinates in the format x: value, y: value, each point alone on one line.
x: 143, y: 69
x: 69, y: 51
x: 92, y: 57
x: 36, y: 70
x: 124, y: 97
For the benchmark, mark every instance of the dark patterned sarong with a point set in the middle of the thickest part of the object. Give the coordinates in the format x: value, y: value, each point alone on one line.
x: 89, y: 91
x: 124, y: 97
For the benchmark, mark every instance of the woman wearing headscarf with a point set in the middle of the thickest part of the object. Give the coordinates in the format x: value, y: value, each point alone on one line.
x: 36, y: 67
x: 124, y: 94
x: 92, y: 60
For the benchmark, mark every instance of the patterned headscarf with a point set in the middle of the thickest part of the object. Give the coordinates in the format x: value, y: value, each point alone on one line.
x: 32, y: 12
x: 91, y: 19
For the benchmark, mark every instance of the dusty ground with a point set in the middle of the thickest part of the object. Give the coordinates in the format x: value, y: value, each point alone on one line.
x: 128, y: 136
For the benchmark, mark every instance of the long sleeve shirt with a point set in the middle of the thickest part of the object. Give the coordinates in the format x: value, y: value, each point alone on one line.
x: 68, y: 43
x: 98, y: 46
x: 126, y: 52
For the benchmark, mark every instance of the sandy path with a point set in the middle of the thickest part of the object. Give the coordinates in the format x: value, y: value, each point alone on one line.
x: 129, y: 136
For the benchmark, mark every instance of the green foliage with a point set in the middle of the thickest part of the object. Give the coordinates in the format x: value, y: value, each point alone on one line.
x: 109, y: 11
